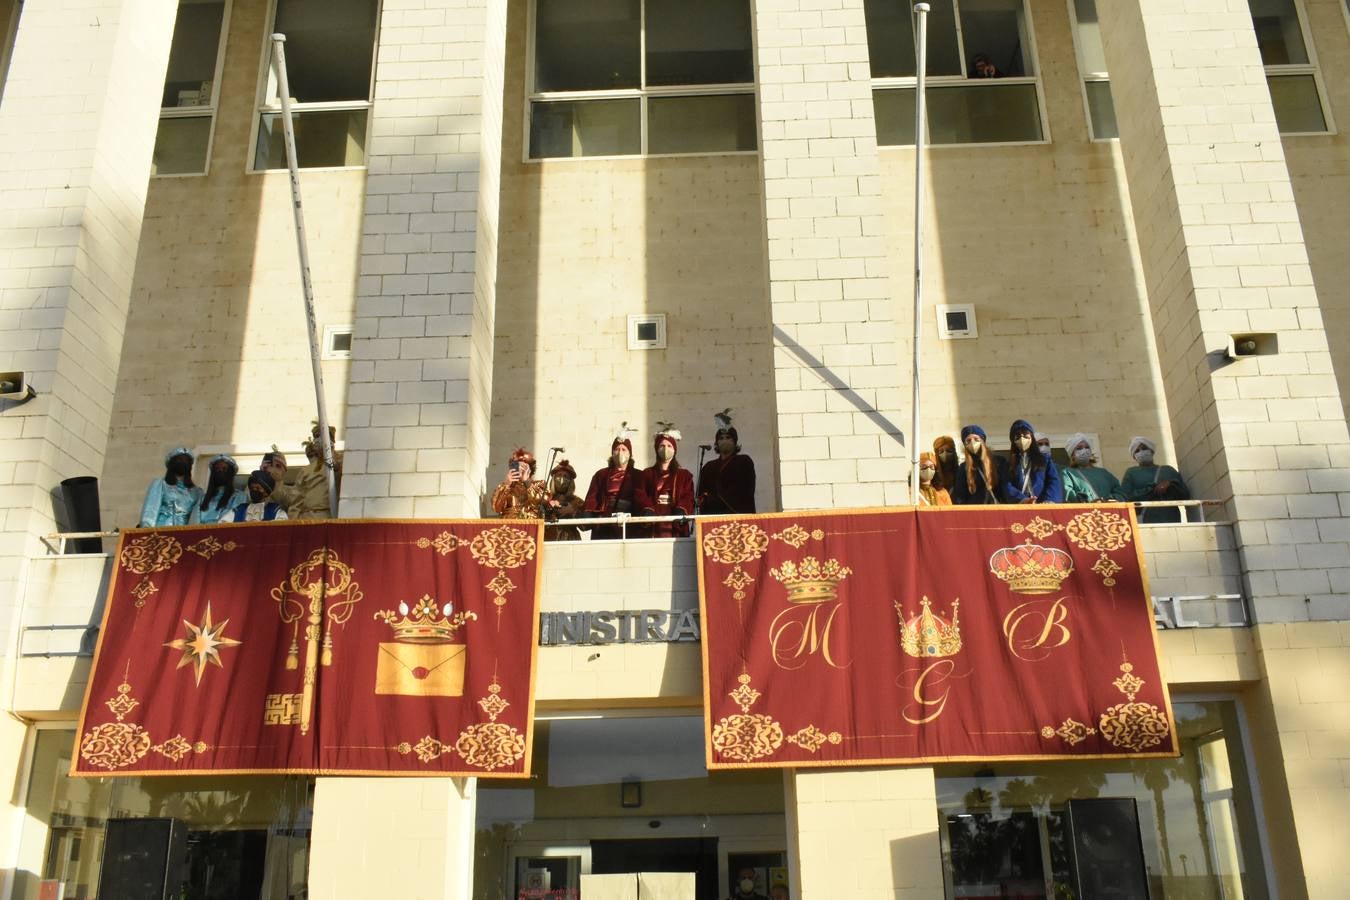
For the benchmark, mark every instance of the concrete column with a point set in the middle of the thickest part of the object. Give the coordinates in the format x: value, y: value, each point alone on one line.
x: 836, y: 381
x: 77, y: 129
x: 421, y: 375
x: 1223, y: 253
x: 869, y: 834
x: 392, y: 837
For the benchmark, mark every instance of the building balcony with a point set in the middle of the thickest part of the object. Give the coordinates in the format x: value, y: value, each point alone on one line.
x: 1193, y: 570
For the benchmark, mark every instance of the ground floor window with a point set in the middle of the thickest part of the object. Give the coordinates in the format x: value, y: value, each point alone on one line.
x: 1185, y: 827
x: 247, y: 838
x: 625, y: 806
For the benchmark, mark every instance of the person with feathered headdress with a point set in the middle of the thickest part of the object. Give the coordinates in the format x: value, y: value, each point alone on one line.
x: 519, y: 494
x: 614, y: 487
x: 666, y: 488
x: 727, y: 482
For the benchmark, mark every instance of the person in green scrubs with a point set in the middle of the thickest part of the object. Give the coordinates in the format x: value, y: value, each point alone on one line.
x: 1149, y: 481
x: 1084, y: 481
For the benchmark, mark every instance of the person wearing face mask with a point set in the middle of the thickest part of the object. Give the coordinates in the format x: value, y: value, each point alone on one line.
x: 1084, y: 482
x: 981, y: 473
x: 931, y: 491
x: 1147, y: 480
x: 519, y: 495
x: 562, y: 503
x: 260, y: 507
x: 944, y: 449
x: 169, y: 500
x: 1043, y: 443
x: 613, y: 488
x: 666, y: 488
x: 1032, y: 476
x: 745, y: 886
x: 220, y: 498
x: 727, y: 483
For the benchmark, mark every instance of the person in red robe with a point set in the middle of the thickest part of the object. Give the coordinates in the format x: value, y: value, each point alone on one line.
x: 667, y: 488
x: 727, y: 483
x: 612, y: 489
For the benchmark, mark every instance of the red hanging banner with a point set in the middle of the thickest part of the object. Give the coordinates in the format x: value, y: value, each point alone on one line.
x: 337, y: 647
x: 904, y: 635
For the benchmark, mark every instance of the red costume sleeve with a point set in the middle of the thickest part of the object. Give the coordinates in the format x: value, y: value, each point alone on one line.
x: 595, y: 494
x: 682, y: 495
x: 643, y: 501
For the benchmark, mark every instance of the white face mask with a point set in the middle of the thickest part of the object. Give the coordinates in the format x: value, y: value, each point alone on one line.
x: 974, y: 445
x: 747, y: 885
x: 621, y: 457
x: 665, y: 453
x: 1144, y: 457
x: 1024, y: 442
x: 925, y: 476
x: 1083, y: 455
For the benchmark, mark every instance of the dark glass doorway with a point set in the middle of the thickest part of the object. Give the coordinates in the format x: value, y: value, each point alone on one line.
x: 697, y: 855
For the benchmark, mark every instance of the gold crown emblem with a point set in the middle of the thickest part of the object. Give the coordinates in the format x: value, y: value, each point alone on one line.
x: 1030, y: 568
x: 928, y: 634
x: 425, y: 622
x: 811, y: 581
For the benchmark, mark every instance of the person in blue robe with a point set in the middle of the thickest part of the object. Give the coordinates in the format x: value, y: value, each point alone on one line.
x: 221, y: 496
x: 170, y: 500
x: 1032, y: 476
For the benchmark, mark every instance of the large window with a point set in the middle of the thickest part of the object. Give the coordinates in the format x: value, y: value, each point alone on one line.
x: 1092, y: 63
x: 628, y: 77
x: 1186, y: 827
x: 1291, y: 68
x: 330, y: 64
x: 982, y: 85
x: 247, y: 836
x: 191, y: 88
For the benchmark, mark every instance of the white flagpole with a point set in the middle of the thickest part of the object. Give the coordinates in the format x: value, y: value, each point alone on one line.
x: 288, y: 130
x: 921, y: 60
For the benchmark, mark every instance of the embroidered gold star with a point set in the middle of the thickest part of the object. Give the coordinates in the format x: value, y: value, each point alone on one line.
x: 202, y: 643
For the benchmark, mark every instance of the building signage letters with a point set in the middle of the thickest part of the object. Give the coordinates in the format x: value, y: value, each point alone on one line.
x: 625, y: 626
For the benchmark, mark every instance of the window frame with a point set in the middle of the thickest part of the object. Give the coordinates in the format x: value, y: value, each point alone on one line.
x: 200, y: 112
x: 1084, y: 77
x: 1311, y: 67
x: 641, y: 93
x: 1032, y: 52
x: 261, y: 107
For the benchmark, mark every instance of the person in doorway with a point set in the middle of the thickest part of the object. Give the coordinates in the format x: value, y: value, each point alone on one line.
x: 221, y: 496
x: 727, y: 483
x: 1147, y: 480
x: 260, y: 506
x: 666, y: 488
x: 519, y: 495
x: 309, y: 496
x: 984, y: 67
x: 562, y: 503
x: 170, y: 500
x: 981, y: 473
x: 745, y: 886
x: 1084, y: 482
x: 1032, y: 476
x: 614, y: 487
x: 931, y: 493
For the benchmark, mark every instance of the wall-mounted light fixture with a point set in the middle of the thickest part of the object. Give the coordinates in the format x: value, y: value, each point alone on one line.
x: 630, y: 793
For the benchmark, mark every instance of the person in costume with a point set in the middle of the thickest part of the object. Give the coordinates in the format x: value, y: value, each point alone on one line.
x: 1084, y: 482
x: 666, y: 488
x: 221, y: 496
x: 170, y: 500
x: 944, y: 449
x: 981, y: 472
x: 519, y: 495
x: 308, y: 497
x: 562, y: 503
x: 1032, y: 476
x: 1147, y: 480
x: 931, y: 493
x: 260, y: 506
x: 613, y: 488
x: 1043, y: 443
x: 274, y: 464
x: 727, y: 483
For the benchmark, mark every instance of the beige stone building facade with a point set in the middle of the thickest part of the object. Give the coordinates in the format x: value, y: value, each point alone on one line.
x: 533, y: 220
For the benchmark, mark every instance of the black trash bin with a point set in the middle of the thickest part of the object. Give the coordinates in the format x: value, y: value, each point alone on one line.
x: 81, y: 493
